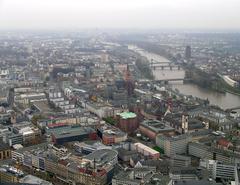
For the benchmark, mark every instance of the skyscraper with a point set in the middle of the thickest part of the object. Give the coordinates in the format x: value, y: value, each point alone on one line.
x: 129, y: 82
x: 188, y: 52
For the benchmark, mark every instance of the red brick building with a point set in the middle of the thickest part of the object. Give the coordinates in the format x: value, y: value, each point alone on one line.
x: 128, y: 122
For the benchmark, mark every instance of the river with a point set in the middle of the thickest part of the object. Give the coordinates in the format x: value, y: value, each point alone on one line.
x: 223, y: 100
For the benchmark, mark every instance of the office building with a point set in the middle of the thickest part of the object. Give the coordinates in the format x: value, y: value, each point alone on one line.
x: 188, y: 52
x: 220, y: 170
x: 213, y: 153
x: 64, y: 134
x: 152, y: 128
x: 173, y: 145
x: 111, y: 135
x: 180, y: 161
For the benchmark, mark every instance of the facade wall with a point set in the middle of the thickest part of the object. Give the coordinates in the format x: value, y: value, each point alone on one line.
x: 146, y: 151
x: 7, y: 177
x: 197, y: 150
x: 55, y: 168
x: 5, y: 154
x: 173, y: 146
x: 223, y: 171
x: 128, y: 125
x: 119, y: 139
x: 108, y: 140
x: 17, y: 156
x: 147, y: 132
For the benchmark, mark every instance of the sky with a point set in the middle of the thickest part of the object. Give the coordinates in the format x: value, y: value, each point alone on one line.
x: 124, y: 14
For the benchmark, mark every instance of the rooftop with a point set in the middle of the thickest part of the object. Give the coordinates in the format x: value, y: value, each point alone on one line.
x: 110, y: 131
x: 197, y: 182
x: 145, y: 148
x: 127, y: 115
x: 157, y: 126
x: 42, y: 106
x: 102, y: 156
x: 174, y: 138
x: 34, y: 180
x: 66, y: 131
x: 4, y: 146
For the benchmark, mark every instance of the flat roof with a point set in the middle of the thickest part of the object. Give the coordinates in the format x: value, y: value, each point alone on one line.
x: 146, y: 148
x: 42, y: 106
x: 4, y: 146
x: 33, y: 147
x: 156, y: 125
x: 102, y: 156
x: 127, y: 115
x: 197, y: 182
x: 34, y: 180
x: 175, y: 138
x: 67, y: 131
x: 110, y: 131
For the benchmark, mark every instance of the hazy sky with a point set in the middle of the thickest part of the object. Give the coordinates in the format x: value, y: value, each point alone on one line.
x: 150, y: 14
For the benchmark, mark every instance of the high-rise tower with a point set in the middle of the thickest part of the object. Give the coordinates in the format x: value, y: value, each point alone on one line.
x: 188, y: 52
x: 129, y: 82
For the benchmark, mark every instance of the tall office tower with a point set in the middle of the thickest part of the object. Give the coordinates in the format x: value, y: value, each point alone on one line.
x: 188, y: 52
x: 184, y: 123
x: 129, y: 81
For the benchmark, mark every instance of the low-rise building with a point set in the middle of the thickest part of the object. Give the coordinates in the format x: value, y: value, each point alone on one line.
x: 29, y: 98
x: 220, y: 170
x: 203, y: 151
x: 58, y: 119
x: 30, y: 179
x: 138, y: 176
x: 184, y: 173
x: 152, y: 128
x: 230, y: 81
x: 101, y: 110
x: 3, y: 95
x: 95, y: 169
x: 111, y: 135
x: 5, y: 151
x: 89, y: 147
x: 214, y: 118
x: 180, y: 161
x: 127, y: 122
x: 12, y: 138
x: 5, y: 118
x: 9, y: 174
x: 29, y: 132
x: 64, y: 134
x: 146, y: 151
x: 125, y: 155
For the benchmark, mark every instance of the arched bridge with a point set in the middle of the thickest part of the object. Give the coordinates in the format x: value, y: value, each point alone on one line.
x: 163, y: 65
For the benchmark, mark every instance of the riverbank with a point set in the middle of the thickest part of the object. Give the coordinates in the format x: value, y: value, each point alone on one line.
x: 223, y: 100
x: 237, y: 94
x: 216, y: 95
x: 210, y: 81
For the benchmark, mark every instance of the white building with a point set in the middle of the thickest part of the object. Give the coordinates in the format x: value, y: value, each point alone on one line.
x: 218, y: 169
x: 173, y: 145
x: 230, y: 81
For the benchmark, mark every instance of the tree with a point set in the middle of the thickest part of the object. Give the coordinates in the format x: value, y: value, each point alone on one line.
x: 36, y: 118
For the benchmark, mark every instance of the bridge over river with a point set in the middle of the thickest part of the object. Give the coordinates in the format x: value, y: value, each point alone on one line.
x: 233, y: 109
x: 223, y: 100
x: 164, y: 66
